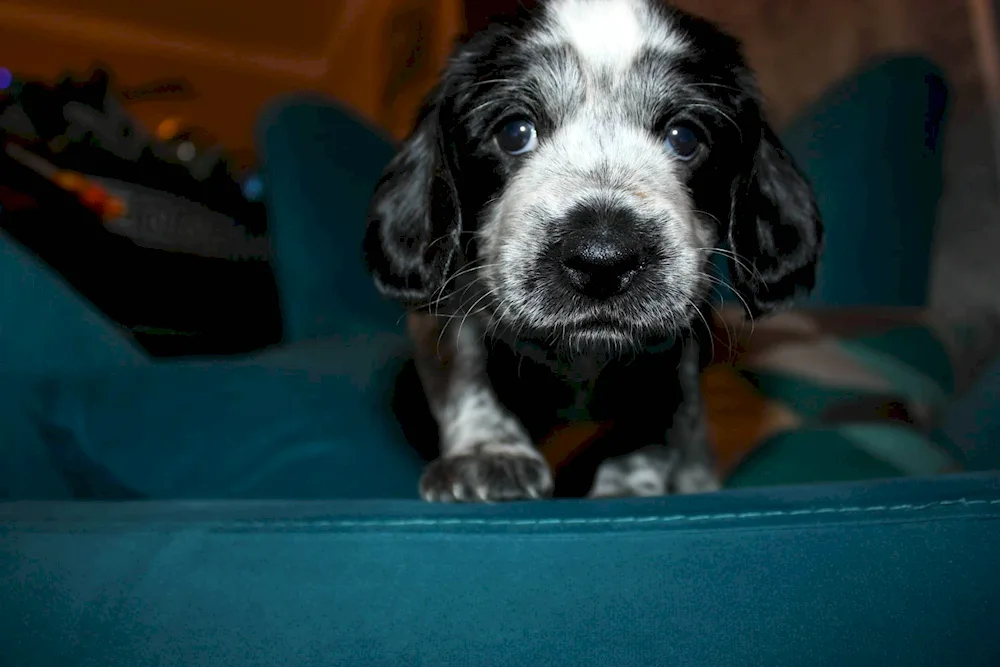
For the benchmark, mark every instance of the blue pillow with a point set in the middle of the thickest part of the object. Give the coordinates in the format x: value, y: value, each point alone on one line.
x: 872, y: 149
x: 871, y: 146
x: 309, y: 421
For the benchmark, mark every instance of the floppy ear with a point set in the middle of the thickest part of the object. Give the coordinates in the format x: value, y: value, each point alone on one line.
x: 774, y: 229
x: 413, y: 218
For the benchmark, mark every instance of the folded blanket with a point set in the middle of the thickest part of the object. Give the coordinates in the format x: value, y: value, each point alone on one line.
x: 847, y: 393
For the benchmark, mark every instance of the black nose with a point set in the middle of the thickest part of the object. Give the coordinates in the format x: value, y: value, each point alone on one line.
x: 600, y: 264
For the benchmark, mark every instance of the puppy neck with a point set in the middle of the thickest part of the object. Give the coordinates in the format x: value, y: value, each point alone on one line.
x: 584, y: 366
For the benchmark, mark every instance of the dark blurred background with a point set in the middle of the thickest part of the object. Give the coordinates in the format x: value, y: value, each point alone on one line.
x: 379, y: 55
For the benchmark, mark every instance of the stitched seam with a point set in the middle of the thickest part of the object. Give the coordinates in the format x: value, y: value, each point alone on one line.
x: 614, y: 521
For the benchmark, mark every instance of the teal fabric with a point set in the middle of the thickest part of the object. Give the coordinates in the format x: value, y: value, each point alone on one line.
x: 971, y: 428
x: 46, y: 331
x: 872, y: 147
x: 920, y: 379
x: 309, y: 421
x: 869, y: 574
x: 26, y: 466
x: 844, y: 452
x: 273, y: 426
x: 321, y: 166
x: 46, y: 328
x: 907, y: 363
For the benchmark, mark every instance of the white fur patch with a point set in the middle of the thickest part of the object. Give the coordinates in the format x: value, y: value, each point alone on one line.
x: 633, y: 475
x: 469, y: 413
x: 640, y: 475
x: 608, y: 33
x: 696, y: 479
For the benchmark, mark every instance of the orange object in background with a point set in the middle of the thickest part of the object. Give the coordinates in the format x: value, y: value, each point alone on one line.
x: 168, y: 129
x: 377, y: 56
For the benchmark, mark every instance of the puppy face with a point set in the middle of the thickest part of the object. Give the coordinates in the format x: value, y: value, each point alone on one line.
x: 573, y: 173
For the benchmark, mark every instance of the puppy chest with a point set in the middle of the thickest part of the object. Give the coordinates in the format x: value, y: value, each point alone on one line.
x: 638, y: 395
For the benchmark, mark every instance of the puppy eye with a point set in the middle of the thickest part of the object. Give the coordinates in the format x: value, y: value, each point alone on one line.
x: 517, y: 137
x: 683, y: 142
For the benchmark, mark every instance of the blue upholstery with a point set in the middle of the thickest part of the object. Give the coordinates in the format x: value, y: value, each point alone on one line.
x: 894, y: 573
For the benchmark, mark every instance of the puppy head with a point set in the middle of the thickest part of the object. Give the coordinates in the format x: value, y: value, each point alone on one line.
x: 574, y: 171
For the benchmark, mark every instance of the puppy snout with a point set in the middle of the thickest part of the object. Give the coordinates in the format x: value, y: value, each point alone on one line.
x: 601, y: 264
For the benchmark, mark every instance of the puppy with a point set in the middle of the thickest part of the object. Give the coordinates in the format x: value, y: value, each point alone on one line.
x: 551, y: 223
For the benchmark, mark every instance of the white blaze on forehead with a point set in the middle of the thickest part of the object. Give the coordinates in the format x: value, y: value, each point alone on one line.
x: 602, y: 32
x: 608, y: 33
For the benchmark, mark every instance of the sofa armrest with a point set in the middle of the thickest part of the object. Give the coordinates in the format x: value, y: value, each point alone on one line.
x: 900, y: 572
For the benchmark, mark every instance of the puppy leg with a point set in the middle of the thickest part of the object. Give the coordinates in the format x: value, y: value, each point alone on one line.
x: 656, y: 470
x: 695, y: 471
x: 486, y: 454
x: 684, y: 465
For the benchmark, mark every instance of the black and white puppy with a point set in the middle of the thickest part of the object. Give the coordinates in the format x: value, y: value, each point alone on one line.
x: 551, y: 221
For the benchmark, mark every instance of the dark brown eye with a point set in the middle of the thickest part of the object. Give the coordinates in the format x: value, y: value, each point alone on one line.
x: 517, y: 137
x: 683, y: 141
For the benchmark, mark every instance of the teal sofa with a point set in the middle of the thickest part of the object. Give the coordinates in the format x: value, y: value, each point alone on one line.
x: 262, y: 511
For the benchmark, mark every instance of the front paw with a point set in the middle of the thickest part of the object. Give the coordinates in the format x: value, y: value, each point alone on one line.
x: 651, y: 471
x: 490, y: 473
x: 695, y: 479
